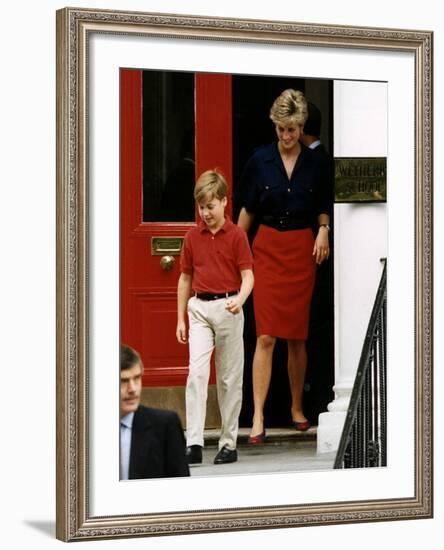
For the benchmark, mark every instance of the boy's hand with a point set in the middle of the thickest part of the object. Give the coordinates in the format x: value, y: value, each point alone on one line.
x: 234, y: 305
x: 181, y: 332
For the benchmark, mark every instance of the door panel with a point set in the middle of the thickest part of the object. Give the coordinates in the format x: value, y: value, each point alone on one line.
x: 148, y: 293
x: 214, y: 126
x: 151, y: 181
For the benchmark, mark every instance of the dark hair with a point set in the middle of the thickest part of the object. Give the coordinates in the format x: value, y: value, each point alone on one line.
x: 129, y: 357
x: 312, y: 126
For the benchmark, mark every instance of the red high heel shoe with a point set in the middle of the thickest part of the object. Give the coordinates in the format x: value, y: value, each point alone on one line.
x: 301, y: 426
x: 257, y: 439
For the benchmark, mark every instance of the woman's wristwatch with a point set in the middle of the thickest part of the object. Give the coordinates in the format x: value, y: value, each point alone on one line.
x: 327, y: 227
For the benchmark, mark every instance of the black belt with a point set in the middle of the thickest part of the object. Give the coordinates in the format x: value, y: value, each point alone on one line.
x: 207, y: 296
x: 285, y: 223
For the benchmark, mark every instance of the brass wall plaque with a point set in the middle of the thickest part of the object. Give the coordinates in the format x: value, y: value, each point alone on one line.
x: 361, y: 179
x: 166, y: 245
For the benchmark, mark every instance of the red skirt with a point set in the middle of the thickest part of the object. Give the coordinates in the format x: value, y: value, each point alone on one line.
x: 284, y: 274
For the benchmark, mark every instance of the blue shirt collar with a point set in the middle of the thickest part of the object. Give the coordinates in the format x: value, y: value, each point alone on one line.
x: 127, y: 420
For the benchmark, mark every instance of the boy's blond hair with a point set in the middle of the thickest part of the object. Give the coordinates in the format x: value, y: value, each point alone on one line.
x: 211, y: 184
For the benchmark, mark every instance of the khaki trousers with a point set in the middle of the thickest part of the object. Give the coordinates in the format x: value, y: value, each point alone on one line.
x: 213, y: 327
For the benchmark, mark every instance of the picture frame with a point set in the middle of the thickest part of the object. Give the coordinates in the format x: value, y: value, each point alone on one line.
x: 75, y: 473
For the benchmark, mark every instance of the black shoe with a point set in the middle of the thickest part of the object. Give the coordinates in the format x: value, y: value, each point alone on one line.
x: 194, y: 454
x: 225, y: 456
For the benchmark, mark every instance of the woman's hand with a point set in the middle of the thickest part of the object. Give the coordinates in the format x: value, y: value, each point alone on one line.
x: 321, y: 249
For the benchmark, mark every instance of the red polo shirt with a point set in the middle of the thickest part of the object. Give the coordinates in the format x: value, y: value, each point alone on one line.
x: 215, y: 261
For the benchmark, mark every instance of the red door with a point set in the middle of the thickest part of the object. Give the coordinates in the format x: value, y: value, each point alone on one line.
x: 149, y: 245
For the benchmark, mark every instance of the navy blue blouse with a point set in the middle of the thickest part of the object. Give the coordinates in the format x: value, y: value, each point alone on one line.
x: 266, y: 190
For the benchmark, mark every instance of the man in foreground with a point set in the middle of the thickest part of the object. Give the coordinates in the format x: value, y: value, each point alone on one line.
x: 152, y: 442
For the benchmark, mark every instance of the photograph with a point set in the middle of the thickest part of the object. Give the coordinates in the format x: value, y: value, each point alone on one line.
x: 164, y: 151
x: 221, y: 260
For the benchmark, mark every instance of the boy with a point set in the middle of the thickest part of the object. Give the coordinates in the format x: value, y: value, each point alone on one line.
x: 216, y: 267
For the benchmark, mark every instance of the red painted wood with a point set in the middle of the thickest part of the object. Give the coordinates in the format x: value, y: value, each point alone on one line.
x: 147, y: 293
x: 130, y: 187
x: 214, y: 133
x: 214, y: 125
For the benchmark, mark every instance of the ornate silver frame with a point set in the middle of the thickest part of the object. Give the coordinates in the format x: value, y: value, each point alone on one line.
x: 74, y: 521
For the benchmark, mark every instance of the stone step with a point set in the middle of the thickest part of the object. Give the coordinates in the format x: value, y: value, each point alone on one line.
x: 276, y: 456
x: 274, y: 436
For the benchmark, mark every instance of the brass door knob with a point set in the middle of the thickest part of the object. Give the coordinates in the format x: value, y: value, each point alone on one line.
x: 167, y: 263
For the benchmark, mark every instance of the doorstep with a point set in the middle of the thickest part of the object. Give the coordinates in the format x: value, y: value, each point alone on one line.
x: 275, y: 436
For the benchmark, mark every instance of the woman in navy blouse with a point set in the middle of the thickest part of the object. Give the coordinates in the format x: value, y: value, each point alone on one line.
x: 286, y: 190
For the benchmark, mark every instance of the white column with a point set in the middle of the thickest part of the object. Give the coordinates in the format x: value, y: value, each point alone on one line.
x: 360, y: 130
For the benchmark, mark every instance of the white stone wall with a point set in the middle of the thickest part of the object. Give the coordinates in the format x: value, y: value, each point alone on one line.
x: 360, y: 130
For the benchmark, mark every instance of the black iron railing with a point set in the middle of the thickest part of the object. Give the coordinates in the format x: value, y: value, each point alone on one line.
x: 364, y: 437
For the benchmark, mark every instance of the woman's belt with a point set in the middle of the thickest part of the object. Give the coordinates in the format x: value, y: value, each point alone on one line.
x: 285, y: 223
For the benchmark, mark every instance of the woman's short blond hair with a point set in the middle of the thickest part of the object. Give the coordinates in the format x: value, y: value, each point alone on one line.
x: 211, y: 184
x: 289, y: 108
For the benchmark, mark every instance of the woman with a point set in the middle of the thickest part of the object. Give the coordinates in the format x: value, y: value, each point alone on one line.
x: 285, y: 189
